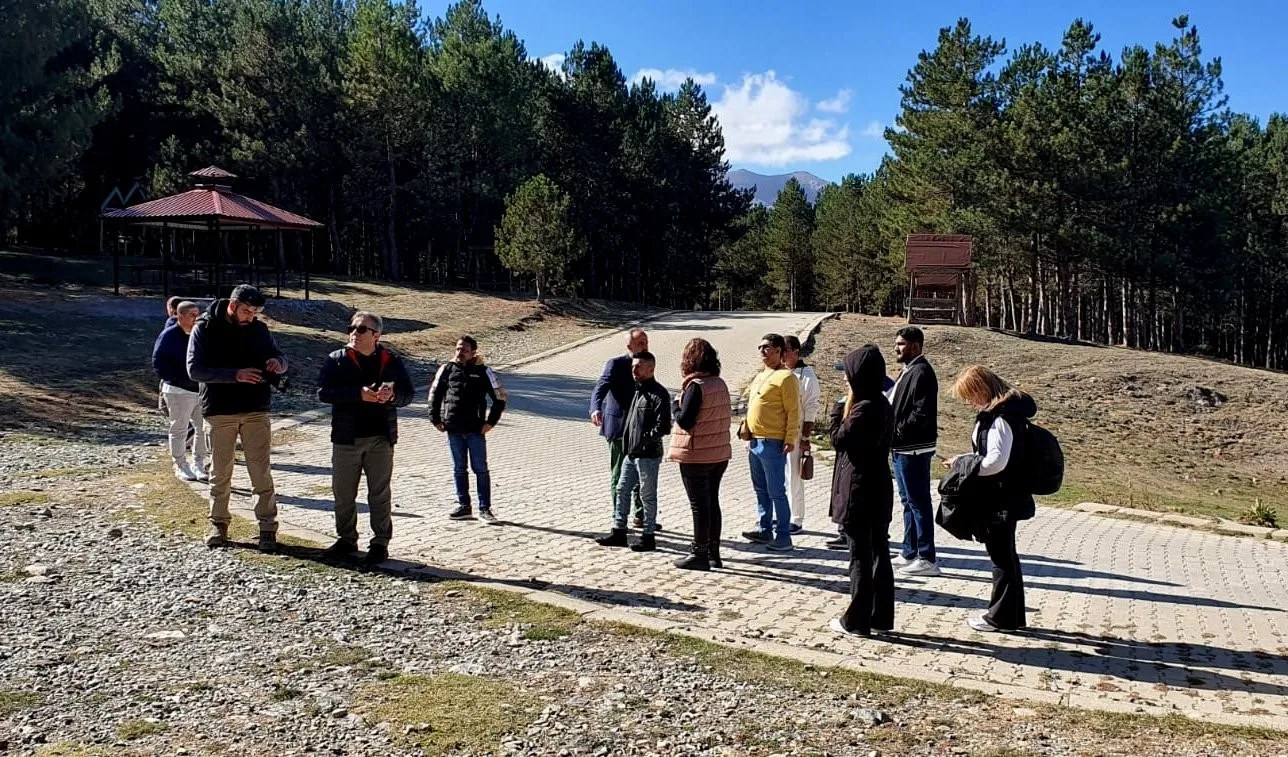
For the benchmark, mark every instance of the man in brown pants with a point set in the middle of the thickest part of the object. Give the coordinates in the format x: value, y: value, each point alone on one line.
x: 365, y: 383
x: 234, y: 359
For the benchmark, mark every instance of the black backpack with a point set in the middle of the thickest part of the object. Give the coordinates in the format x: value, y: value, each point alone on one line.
x: 1046, y: 460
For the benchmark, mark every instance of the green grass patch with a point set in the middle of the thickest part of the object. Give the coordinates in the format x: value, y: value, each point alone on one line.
x: 68, y: 749
x: 538, y: 621
x: 23, y: 498
x: 450, y: 712
x: 285, y: 694
x: 17, y: 701
x: 50, y: 473
x: 131, y: 730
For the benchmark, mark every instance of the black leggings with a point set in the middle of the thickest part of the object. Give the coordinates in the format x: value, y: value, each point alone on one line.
x: 702, y: 484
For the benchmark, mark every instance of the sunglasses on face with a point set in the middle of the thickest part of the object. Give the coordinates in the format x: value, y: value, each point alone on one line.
x: 361, y: 329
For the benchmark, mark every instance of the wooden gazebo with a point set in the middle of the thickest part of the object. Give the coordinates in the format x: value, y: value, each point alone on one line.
x: 212, y: 207
x: 939, y: 279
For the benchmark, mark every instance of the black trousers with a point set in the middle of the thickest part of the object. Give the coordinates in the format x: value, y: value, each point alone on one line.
x: 871, y: 579
x: 1006, y: 606
x: 702, y: 484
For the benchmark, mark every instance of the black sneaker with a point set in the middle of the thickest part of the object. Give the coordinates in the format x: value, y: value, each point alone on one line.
x: 646, y: 543
x: 839, y: 542
x: 462, y: 512
x: 757, y: 536
x: 376, y: 554
x: 616, y: 538
x: 694, y: 561
x: 341, y: 549
x: 267, y: 541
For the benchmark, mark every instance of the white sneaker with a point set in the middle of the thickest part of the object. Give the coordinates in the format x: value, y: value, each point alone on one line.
x: 983, y: 626
x: 203, y: 473
x: 900, y: 561
x: 183, y: 472
x: 920, y: 567
x: 487, y: 515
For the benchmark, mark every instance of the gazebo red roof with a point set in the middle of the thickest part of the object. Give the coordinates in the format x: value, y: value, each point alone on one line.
x: 938, y: 252
x: 211, y: 201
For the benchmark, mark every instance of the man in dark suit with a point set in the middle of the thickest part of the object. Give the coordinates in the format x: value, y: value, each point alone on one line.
x: 608, y: 406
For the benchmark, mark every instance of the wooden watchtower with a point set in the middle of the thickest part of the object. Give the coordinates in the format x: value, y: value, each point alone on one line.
x: 939, y: 279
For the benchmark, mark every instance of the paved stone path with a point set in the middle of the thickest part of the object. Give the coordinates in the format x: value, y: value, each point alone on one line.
x: 1125, y: 616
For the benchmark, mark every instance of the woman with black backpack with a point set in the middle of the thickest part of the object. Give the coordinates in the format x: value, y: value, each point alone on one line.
x: 1003, y: 488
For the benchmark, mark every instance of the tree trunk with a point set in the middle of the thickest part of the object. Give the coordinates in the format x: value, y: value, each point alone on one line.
x: 392, y: 268
x: 1031, y: 326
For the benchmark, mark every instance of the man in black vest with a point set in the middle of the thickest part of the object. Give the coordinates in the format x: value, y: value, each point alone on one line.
x: 915, y: 398
x: 458, y: 405
x: 365, y: 383
x: 234, y: 359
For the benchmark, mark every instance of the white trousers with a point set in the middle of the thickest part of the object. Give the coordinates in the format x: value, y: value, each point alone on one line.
x: 185, y: 408
x: 795, y: 486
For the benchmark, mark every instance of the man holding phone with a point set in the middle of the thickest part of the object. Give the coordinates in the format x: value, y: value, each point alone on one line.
x: 365, y: 383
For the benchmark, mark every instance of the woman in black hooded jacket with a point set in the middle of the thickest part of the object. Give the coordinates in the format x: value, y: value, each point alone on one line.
x: 863, y: 492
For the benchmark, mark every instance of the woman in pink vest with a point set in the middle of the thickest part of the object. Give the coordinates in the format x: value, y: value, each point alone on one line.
x: 700, y: 444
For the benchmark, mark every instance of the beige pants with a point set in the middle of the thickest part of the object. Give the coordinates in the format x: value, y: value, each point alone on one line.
x: 256, y: 435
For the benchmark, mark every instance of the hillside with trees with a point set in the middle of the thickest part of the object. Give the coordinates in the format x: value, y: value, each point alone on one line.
x: 1113, y: 197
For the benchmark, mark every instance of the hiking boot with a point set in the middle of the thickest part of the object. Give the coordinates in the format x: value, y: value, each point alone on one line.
x: 267, y: 542
x: 646, y: 543
x: 376, y: 554
x: 342, y: 548
x: 217, y: 536
x: 840, y: 542
x: 462, y: 512
x: 757, y: 536
x: 694, y: 561
x: 616, y: 538
x: 713, y: 555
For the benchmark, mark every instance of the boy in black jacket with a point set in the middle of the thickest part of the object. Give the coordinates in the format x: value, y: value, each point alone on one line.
x: 647, y: 421
x: 365, y: 383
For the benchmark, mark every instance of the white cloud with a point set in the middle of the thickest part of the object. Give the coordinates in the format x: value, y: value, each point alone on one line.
x: 838, y: 104
x: 553, y: 61
x: 672, y: 78
x: 874, y: 130
x: 766, y: 123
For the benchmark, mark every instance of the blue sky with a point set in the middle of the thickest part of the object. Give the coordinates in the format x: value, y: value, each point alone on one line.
x: 809, y: 86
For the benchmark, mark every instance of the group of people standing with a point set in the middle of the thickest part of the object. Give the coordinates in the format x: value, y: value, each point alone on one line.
x: 218, y: 367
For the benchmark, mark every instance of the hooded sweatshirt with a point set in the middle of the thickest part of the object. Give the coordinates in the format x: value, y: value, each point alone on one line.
x: 217, y: 349
x: 862, y: 490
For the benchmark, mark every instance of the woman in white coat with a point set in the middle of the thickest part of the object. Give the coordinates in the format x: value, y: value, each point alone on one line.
x: 808, y: 383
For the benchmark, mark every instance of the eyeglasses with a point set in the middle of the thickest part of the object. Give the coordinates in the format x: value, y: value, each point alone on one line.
x: 360, y: 329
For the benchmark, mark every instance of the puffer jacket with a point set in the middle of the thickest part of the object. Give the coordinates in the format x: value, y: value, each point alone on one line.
x: 1007, y: 494
x: 460, y: 395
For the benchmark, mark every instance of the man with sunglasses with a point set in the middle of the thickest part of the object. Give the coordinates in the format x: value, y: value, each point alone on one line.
x: 365, y: 383
x: 773, y: 428
x: 234, y: 360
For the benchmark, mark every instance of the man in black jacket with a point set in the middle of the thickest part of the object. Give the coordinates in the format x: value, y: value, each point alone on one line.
x: 647, y: 420
x: 458, y: 404
x: 915, y: 399
x: 234, y: 359
x: 365, y: 383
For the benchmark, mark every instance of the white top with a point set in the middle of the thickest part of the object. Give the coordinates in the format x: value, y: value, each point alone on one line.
x: 808, y: 382
x: 997, y: 452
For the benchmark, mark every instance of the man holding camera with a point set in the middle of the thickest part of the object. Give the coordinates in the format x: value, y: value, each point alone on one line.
x: 365, y: 383
x: 236, y: 362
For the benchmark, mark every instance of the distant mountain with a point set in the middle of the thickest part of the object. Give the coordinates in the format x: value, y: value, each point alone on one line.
x: 768, y: 187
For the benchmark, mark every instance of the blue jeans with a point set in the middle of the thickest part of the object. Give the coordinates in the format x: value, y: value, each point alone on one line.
x: 473, y: 446
x: 641, y: 472
x: 912, y: 473
x: 769, y: 479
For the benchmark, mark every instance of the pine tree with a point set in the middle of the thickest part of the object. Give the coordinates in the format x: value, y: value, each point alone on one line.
x: 535, y: 236
x: 788, y: 243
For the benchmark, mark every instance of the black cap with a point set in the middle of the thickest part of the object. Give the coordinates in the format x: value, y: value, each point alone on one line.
x: 248, y: 295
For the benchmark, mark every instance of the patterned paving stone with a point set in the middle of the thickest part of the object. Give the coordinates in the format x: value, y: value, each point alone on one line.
x: 1124, y: 615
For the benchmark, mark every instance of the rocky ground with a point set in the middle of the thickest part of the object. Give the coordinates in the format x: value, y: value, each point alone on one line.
x: 121, y: 633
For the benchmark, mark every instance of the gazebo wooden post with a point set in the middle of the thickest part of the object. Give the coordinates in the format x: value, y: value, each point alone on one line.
x: 218, y: 258
x: 281, y: 260
x: 165, y: 258
x: 307, y: 265
x: 116, y: 267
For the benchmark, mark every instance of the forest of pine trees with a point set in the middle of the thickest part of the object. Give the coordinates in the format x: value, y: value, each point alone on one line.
x: 1112, y: 197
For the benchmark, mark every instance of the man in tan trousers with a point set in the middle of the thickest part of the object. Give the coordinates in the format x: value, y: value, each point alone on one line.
x: 233, y: 357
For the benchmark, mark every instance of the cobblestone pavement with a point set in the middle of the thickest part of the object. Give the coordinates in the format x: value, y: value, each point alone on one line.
x: 1124, y: 616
